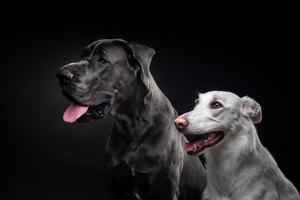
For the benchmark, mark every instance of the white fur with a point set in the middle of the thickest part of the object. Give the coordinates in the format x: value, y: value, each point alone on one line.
x: 238, y: 167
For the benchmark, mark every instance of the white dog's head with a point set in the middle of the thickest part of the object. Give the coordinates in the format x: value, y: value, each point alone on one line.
x: 216, y: 115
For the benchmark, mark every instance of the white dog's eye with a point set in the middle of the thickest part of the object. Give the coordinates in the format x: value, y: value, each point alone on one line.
x: 215, y: 105
x: 196, y: 102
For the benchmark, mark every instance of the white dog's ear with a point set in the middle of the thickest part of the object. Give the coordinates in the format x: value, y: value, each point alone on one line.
x: 252, y: 109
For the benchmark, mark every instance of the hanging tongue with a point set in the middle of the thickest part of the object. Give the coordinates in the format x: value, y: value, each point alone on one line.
x: 73, y: 112
x: 194, y: 146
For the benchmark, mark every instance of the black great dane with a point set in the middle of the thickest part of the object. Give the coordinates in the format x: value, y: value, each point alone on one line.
x: 144, y: 154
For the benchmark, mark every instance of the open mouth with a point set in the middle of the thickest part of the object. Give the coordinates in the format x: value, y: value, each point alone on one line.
x: 198, y: 143
x: 77, y: 112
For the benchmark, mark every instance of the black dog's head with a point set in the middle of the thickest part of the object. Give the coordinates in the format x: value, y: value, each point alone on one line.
x: 107, y: 67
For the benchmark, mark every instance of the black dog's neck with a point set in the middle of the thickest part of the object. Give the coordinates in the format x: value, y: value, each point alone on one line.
x: 129, y: 101
x: 143, y: 107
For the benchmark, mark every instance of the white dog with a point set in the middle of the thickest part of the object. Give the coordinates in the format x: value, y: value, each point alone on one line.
x: 238, y: 167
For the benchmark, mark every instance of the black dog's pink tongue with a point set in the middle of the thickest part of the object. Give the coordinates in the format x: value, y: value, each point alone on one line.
x: 73, y: 112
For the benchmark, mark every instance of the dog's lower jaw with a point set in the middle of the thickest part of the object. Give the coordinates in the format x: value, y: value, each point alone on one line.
x: 199, y: 142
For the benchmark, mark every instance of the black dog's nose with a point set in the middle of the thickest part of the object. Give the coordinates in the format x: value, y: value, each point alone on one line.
x: 64, y: 76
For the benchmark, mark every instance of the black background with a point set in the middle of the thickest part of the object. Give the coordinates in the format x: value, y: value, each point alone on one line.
x: 49, y: 159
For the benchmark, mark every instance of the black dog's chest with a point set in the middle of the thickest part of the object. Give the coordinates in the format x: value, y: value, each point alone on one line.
x: 139, y: 156
x: 132, y: 184
x: 140, y: 159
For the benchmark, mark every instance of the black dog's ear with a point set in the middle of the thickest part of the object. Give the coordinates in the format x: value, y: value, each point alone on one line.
x: 143, y: 55
x: 252, y: 109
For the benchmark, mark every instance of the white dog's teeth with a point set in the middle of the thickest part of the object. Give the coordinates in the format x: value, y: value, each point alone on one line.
x: 206, y: 137
x: 194, y: 147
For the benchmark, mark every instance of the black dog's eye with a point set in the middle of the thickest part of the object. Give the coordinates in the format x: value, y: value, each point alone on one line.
x: 102, y: 60
x: 215, y: 105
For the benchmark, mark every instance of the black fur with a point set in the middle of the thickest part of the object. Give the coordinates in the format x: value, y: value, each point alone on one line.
x: 144, y: 154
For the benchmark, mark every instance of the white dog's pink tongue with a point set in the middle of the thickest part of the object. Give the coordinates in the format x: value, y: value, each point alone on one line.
x: 73, y: 112
x: 193, y: 146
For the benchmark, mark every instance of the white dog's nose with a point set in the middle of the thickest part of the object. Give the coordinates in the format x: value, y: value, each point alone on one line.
x: 181, y: 122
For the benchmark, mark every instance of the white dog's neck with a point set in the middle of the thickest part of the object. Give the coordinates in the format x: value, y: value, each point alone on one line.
x: 224, y: 161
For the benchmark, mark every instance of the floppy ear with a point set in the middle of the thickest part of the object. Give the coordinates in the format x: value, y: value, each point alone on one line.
x: 143, y: 55
x: 252, y: 109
